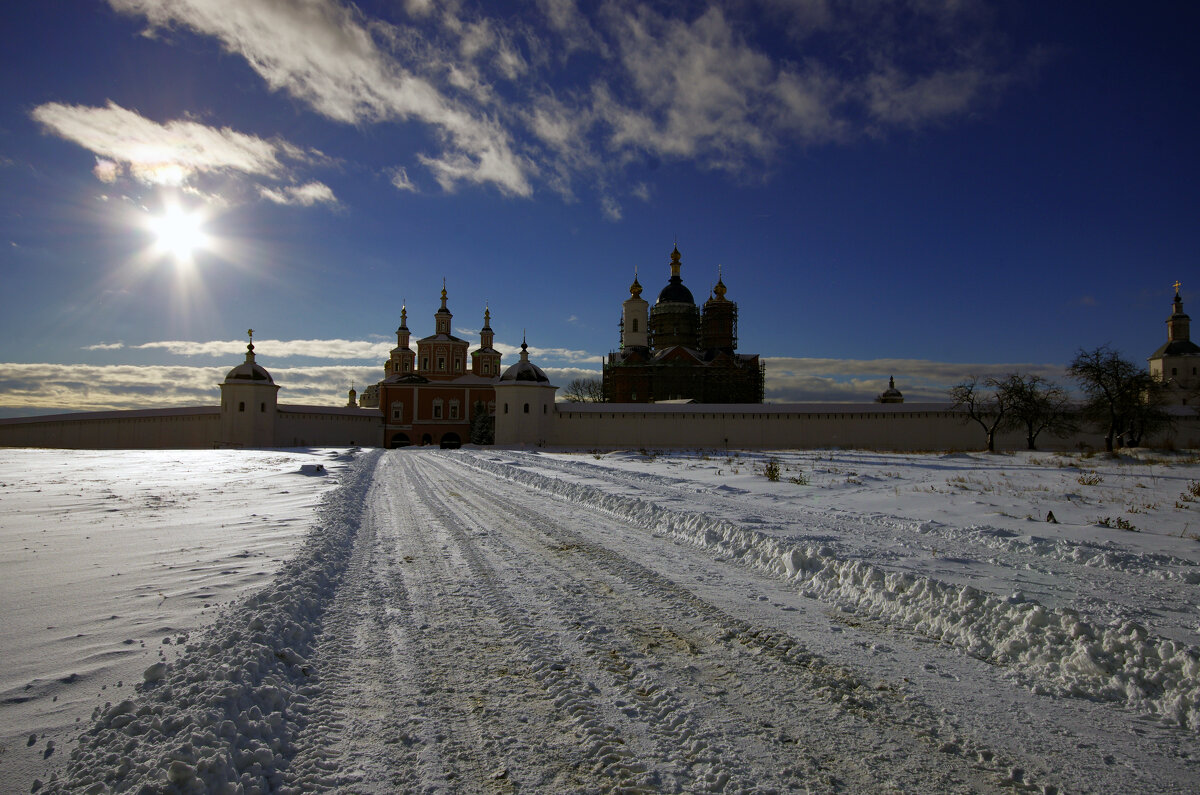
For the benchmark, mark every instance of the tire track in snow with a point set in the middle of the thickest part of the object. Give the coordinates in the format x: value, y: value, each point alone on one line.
x: 699, y: 679
x: 1050, y: 647
x: 406, y: 705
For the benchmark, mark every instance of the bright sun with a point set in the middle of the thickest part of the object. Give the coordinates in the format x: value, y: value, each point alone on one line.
x: 178, y: 233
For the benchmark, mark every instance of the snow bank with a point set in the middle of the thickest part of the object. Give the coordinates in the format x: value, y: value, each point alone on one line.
x: 1053, y: 648
x: 222, y: 716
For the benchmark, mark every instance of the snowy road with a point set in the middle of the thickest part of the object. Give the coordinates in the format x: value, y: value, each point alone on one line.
x: 480, y: 644
x: 457, y: 628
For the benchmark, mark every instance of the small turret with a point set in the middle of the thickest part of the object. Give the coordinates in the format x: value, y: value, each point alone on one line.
x: 891, y: 394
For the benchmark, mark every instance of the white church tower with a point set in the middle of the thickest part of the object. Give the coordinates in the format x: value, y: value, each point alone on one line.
x: 249, y: 404
x: 635, y: 313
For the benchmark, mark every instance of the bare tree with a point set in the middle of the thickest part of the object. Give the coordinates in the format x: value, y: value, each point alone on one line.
x: 584, y: 390
x: 1037, y: 405
x: 986, y: 402
x: 1122, y: 398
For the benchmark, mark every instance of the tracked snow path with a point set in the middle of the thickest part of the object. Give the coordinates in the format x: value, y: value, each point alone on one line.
x: 482, y: 643
x: 447, y: 628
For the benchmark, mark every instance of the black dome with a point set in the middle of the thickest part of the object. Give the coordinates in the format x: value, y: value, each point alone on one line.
x: 675, y: 292
x: 525, y: 371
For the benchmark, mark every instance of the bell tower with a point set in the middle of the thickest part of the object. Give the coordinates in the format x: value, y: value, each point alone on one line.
x: 634, y: 318
x: 1177, y: 363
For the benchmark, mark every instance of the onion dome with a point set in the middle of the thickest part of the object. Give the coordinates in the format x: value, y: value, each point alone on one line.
x: 635, y: 289
x: 675, y: 292
x: 249, y: 370
x: 719, y: 288
x: 524, y: 370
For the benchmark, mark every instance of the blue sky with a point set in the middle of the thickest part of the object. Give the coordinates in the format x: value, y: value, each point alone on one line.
x: 923, y: 188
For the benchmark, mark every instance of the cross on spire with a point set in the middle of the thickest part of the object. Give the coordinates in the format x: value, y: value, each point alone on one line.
x: 1176, y: 285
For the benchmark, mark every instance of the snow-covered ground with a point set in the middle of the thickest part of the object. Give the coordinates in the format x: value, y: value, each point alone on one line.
x: 501, y: 620
x: 109, y: 559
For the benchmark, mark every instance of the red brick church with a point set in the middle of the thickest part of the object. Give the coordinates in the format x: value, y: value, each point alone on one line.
x: 440, y: 394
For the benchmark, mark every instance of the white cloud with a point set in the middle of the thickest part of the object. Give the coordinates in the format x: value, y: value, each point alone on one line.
x: 43, y: 386
x: 183, y: 153
x: 163, y: 154
x: 274, y: 349
x: 610, y: 207
x: 38, y: 387
x: 401, y: 181
x: 860, y: 380
x: 912, y: 101
x: 304, y: 195
x: 509, y: 105
x: 326, y: 55
x: 538, y: 355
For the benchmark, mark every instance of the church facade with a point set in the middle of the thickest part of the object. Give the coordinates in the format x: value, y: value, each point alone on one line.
x: 438, y: 394
x: 675, y: 350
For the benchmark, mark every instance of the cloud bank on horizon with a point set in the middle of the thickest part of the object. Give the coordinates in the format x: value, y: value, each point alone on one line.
x: 43, y: 387
x: 564, y: 100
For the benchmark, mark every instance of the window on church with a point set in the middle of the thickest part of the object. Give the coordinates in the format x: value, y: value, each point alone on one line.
x: 406, y: 365
x: 424, y: 362
x: 486, y: 368
x: 441, y: 363
x: 453, y: 409
x: 1174, y: 371
x: 635, y: 325
x: 262, y: 408
x: 457, y: 365
x: 505, y: 408
x: 437, y: 409
x: 397, y: 410
x: 242, y: 405
x: 526, y: 408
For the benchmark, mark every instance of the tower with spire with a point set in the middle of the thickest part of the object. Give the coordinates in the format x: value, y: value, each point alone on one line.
x: 1177, y: 362
x: 485, y: 360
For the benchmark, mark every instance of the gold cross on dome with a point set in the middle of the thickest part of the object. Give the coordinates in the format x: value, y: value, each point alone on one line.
x: 250, y: 333
x: 1176, y: 285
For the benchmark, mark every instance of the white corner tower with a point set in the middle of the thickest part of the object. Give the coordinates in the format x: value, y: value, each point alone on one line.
x: 524, y: 404
x: 249, y: 404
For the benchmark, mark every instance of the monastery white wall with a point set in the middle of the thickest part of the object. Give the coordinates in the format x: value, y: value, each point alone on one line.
x: 200, y: 427
x: 145, y: 428
x: 904, y: 427
x: 322, y: 426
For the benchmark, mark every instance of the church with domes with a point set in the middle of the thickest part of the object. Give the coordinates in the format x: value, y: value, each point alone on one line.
x: 433, y: 396
x: 675, y: 350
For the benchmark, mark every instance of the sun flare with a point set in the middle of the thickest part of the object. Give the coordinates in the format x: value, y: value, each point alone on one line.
x: 178, y: 233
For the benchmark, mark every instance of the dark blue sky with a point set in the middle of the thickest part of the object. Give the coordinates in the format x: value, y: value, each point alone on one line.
x: 921, y: 188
